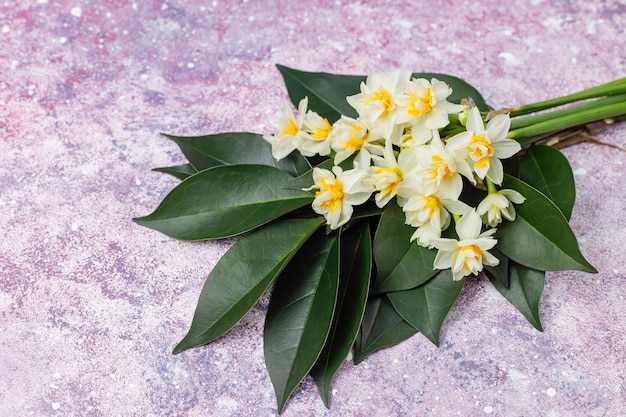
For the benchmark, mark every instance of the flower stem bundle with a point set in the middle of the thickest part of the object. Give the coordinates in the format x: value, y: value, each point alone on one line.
x: 369, y: 208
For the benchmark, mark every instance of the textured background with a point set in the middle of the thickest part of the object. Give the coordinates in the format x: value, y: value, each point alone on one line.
x: 92, y: 304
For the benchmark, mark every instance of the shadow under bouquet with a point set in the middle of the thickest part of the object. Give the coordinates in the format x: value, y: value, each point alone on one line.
x: 369, y: 208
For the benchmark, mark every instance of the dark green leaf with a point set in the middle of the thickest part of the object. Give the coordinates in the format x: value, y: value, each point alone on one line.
x: 300, y: 313
x: 355, y: 270
x: 236, y: 148
x: 501, y: 271
x: 179, y: 171
x: 524, y: 291
x: 547, y: 170
x: 327, y: 92
x: 382, y: 326
x: 242, y: 275
x: 540, y: 237
x: 306, y: 180
x: 224, y: 201
x: 368, y: 209
x: 400, y: 264
x: 427, y: 306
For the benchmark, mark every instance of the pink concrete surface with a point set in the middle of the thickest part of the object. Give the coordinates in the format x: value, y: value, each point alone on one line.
x: 91, y: 304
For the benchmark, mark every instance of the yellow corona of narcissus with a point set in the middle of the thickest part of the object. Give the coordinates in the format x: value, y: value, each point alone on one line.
x: 337, y: 192
x: 497, y: 205
x: 485, y: 146
x: 469, y: 253
x: 288, y: 129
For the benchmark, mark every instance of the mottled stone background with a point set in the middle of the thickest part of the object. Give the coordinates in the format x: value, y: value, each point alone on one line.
x: 91, y: 304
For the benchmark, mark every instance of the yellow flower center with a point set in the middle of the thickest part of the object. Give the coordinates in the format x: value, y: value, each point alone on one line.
x: 480, y: 150
x: 322, y: 132
x: 291, y: 129
x: 357, y: 139
x: 424, y: 103
x: 472, y: 257
x: 440, y: 170
x: 431, y: 203
x: 336, y: 194
x: 383, y: 96
x: 391, y: 186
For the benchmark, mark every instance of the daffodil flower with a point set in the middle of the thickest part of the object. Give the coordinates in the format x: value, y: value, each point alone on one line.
x: 349, y: 136
x: 288, y: 128
x: 468, y: 254
x: 443, y: 166
x: 385, y: 175
x: 314, y: 139
x: 497, y: 205
x: 379, y: 98
x: 337, y: 192
x: 426, y: 209
x: 485, y: 146
x: 425, y: 107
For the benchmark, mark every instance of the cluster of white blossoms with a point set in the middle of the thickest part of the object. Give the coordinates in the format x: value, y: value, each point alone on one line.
x: 398, y: 151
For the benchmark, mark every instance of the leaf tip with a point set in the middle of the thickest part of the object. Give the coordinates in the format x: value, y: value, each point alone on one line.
x: 181, y: 347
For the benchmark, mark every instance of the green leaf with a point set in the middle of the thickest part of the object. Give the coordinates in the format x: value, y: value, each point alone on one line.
x: 242, y: 275
x: 306, y: 180
x: 524, y: 291
x: 300, y: 313
x: 354, y: 278
x: 427, y: 306
x: 501, y: 271
x: 382, y: 326
x: 540, y: 237
x: 224, y: 201
x: 179, y: 171
x: 327, y: 92
x: 401, y: 265
x: 235, y: 148
x: 547, y: 170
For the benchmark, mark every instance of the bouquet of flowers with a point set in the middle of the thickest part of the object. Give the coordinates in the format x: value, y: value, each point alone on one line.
x: 369, y: 208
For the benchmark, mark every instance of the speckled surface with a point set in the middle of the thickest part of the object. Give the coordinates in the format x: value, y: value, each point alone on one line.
x: 91, y: 304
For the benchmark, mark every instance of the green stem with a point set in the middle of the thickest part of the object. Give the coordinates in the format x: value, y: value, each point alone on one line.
x: 528, y: 134
x: 491, y: 187
x: 531, y: 120
x: 609, y: 89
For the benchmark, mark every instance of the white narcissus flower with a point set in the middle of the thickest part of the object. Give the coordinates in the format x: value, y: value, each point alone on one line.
x: 497, y: 205
x: 426, y: 209
x: 379, y: 97
x: 385, y: 175
x: 349, y: 136
x: 283, y: 142
x: 315, y: 132
x: 337, y: 192
x: 469, y: 254
x: 485, y: 146
x: 442, y: 166
x: 426, y: 108
x: 424, y: 234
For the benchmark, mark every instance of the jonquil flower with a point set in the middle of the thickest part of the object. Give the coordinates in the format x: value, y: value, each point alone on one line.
x: 497, y: 205
x: 337, y: 192
x: 468, y: 254
x: 283, y: 142
x: 485, y: 146
x: 443, y: 166
x: 379, y: 98
x: 425, y: 107
x: 350, y: 136
x: 314, y: 139
x: 385, y: 175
